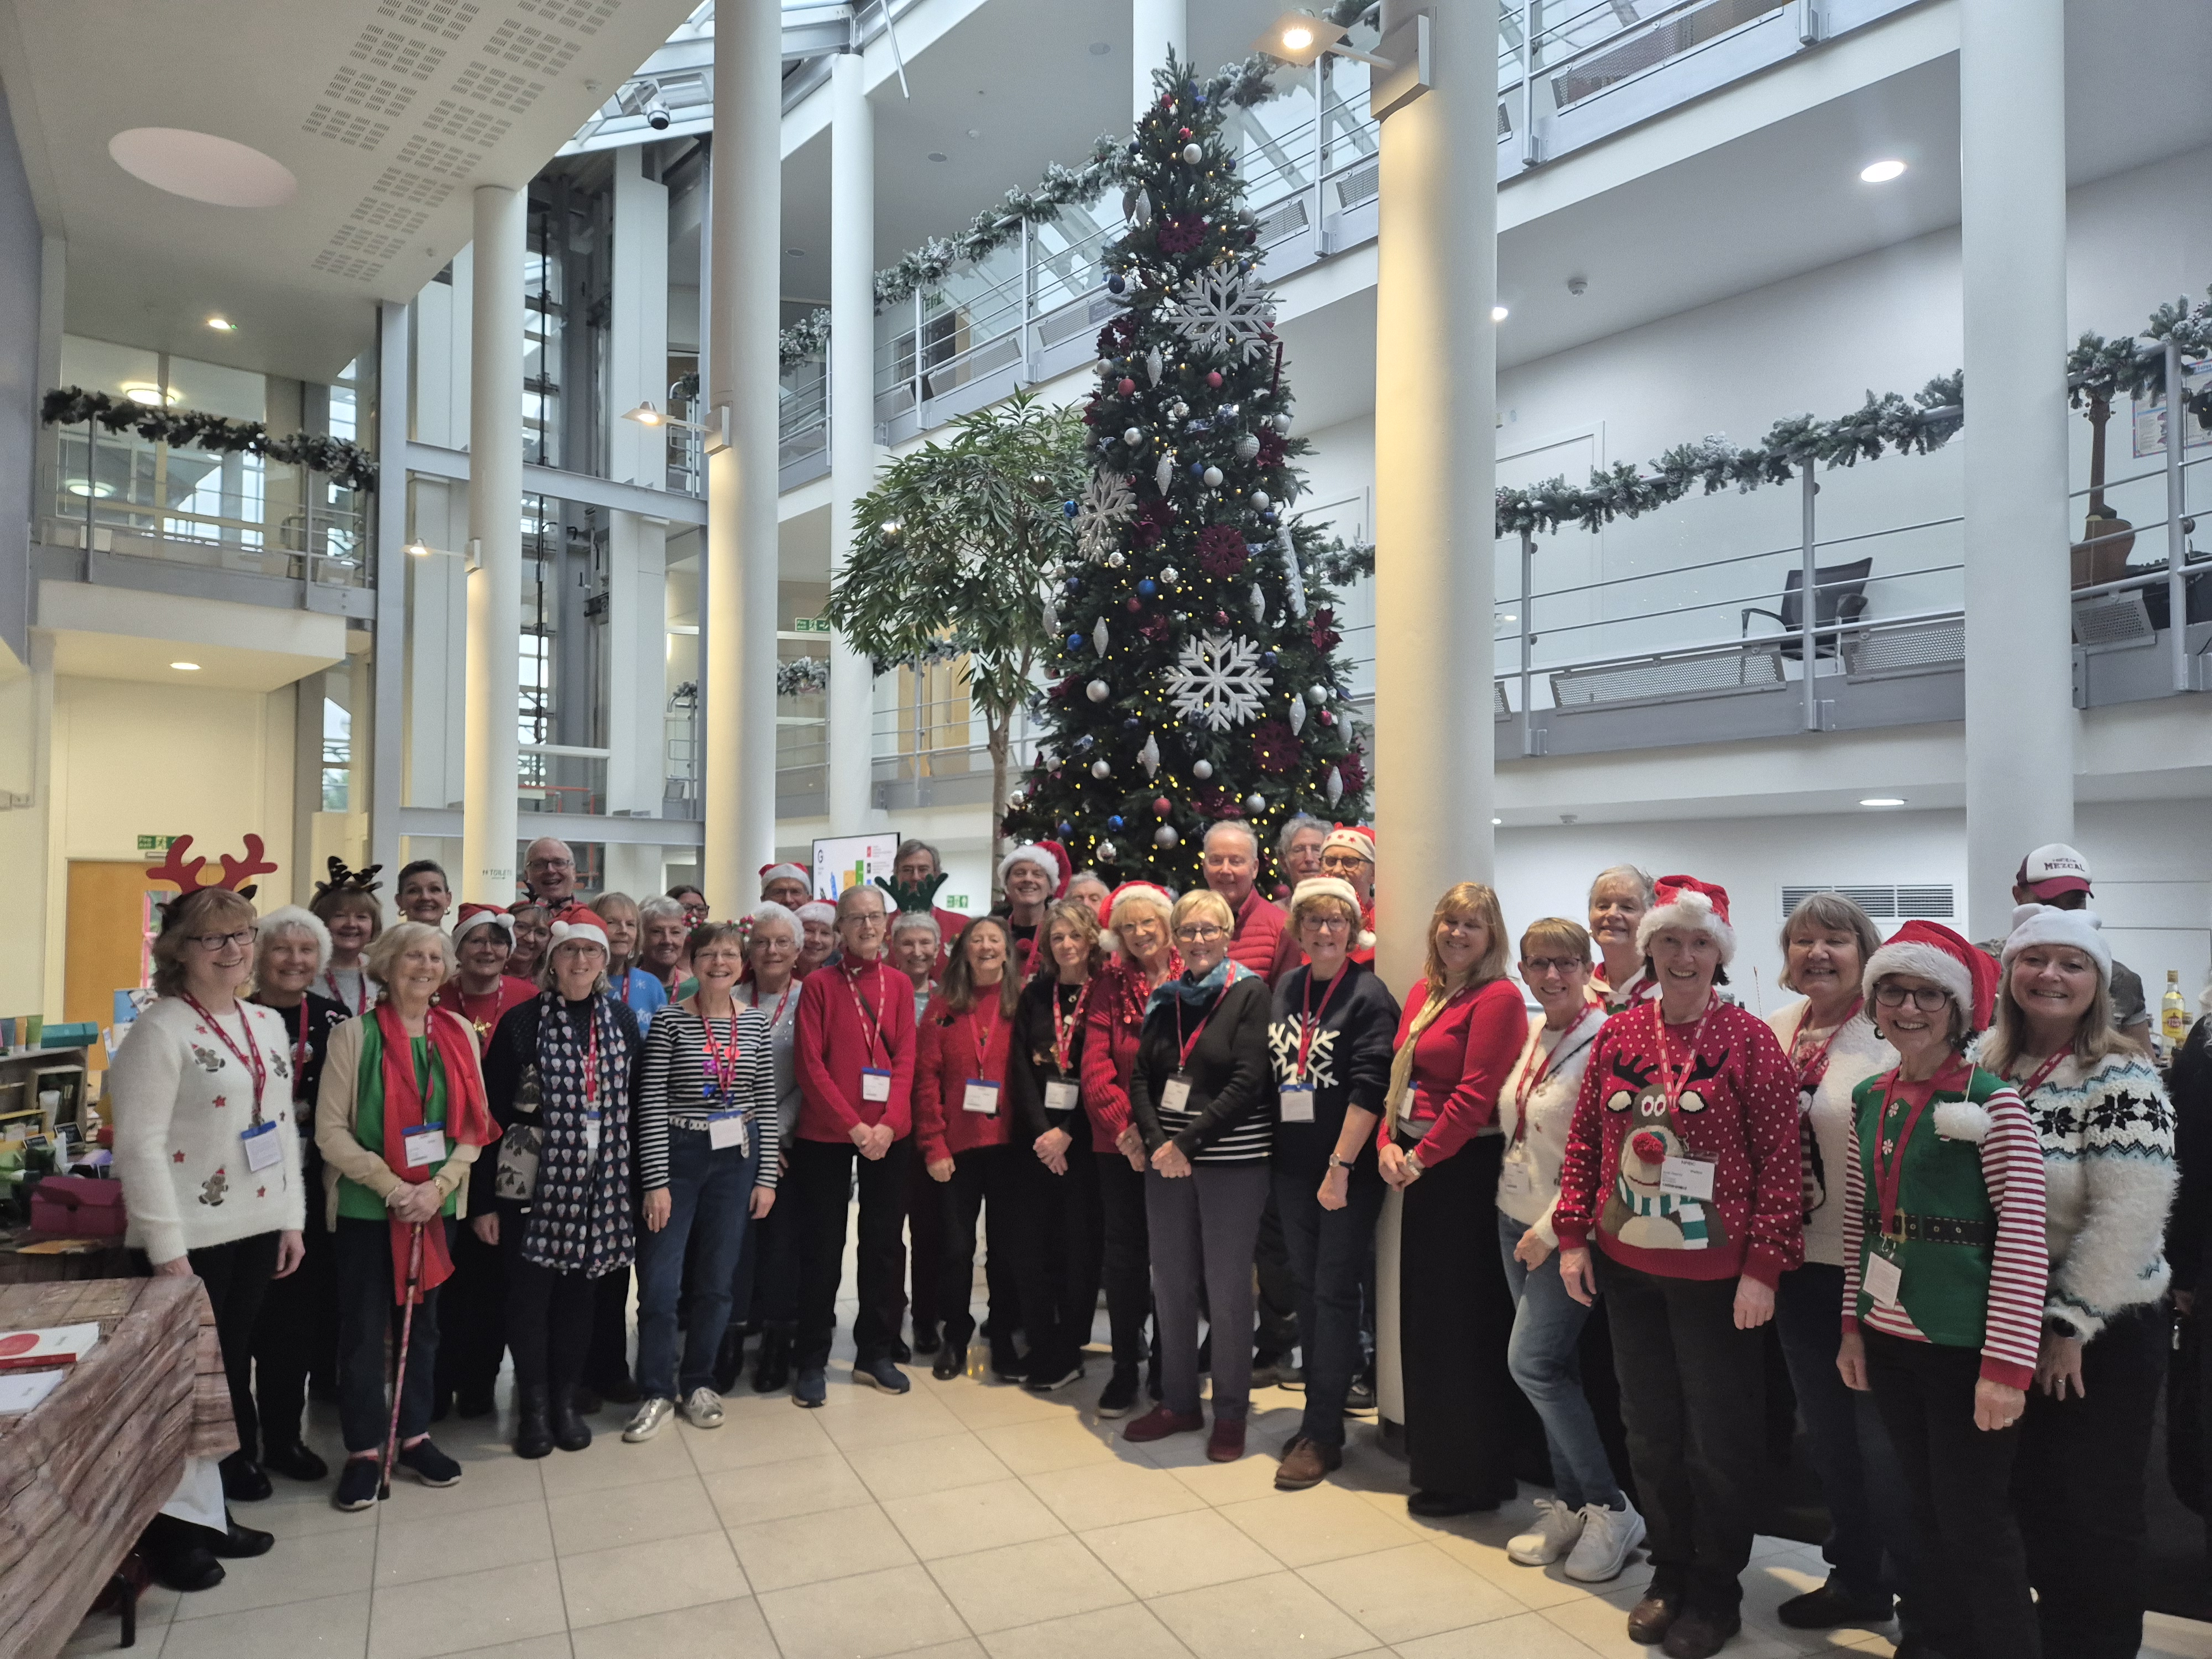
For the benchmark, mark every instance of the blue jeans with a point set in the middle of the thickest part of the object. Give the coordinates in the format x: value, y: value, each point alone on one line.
x: 1869, y: 1506
x: 709, y: 1192
x: 1547, y: 1324
x: 1328, y: 1262
x: 368, y: 1309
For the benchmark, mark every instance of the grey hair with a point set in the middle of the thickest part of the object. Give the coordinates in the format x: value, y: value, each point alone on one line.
x: 908, y: 921
x: 292, y: 919
x: 864, y: 889
x: 1292, y: 826
x: 1646, y: 889
x: 1235, y: 826
x: 767, y: 911
x: 659, y: 910
x: 917, y: 845
x: 1835, y: 912
x: 395, y: 942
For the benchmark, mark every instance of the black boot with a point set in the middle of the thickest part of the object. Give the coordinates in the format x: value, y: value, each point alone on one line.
x: 533, y: 1428
x: 771, y: 1364
x: 570, y: 1431
x: 729, y: 1360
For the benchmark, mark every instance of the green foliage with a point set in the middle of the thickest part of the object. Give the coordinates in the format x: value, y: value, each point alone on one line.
x: 347, y: 462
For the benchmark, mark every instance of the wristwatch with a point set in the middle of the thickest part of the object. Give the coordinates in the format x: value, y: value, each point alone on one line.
x: 1336, y: 1163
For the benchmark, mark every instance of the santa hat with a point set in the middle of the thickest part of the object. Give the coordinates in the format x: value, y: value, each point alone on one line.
x: 1160, y: 896
x: 580, y: 925
x: 1335, y: 887
x: 474, y: 915
x: 784, y: 872
x: 2044, y: 924
x: 817, y: 910
x: 1048, y: 856
x: 1700, y: 906
x: 1929, y: 950
x: 1354, y: 837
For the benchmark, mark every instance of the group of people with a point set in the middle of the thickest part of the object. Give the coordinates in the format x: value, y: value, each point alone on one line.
x: 1941, y: 1175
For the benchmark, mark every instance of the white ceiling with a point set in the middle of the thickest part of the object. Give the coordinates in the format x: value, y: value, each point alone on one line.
x: 387, y: 111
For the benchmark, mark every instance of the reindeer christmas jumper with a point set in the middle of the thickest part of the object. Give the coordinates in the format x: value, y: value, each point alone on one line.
x: 1703, y: 1185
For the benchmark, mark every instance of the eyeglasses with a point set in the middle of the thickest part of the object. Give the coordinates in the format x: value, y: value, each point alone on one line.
x: 1198, y: 935
x: 1927, y: 999
x: 1346, y: 861
x: 214, y: 942
x: 1333, y: 924
x: 1537, y: 967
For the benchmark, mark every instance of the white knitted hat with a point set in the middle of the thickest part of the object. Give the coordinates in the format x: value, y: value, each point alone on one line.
x: 2046, y: 924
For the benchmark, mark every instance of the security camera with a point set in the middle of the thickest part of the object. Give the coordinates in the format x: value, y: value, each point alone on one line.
x: 643, y: 98
x: 656, y: 113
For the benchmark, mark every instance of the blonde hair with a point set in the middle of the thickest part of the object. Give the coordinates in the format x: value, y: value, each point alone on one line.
x: 395, y: 942
x: 1469, y: 900
x: 185, y: 918
x: 1205, y: 903
x: 1151, y: 901
x: 1557, y: 933
x: 1836, y: 913
x: 1302, y: 901
x: 2095, y: 1036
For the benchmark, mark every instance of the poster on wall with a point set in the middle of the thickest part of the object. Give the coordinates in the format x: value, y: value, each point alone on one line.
x: 842, y: 861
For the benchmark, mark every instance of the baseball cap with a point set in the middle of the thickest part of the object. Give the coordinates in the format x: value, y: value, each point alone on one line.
x: 2050, y: 870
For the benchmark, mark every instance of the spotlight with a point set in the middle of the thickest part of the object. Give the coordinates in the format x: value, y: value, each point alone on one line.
x: 1498, y: 313
x: 1882, y: 800
x: 222, y: 324
x: 1880, y: 173
x: 187, y: 667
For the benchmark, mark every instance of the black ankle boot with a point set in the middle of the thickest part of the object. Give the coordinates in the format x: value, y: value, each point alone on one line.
x: 729, y: 1360
x: 533, y: 1428
x: 771, y: 1364
x: 570, y: 1431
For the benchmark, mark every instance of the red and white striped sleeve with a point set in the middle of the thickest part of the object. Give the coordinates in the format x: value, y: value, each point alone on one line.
x: 2012, y: 1169
x: 1854, y: 1222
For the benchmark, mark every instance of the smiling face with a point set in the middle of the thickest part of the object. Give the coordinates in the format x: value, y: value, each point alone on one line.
x: 1920, y: 1033
x: 533, y: 928
x: 1823, y: 963
x: 861, y: 924
x: 424, y: 897
x: 577, y: 965
x: 985, y: 947
x: 1686, y: 958
x: 1028, y: 886
x: 2054, y: 986
x: 1143, y: 929
x: 718, y: 966
x: 1301, y: 858
x: 1232, y: 863
x: 1615, y: 908
x: 774, y: 951
x: 288, y: 961
x: 1461, y: 941
x: 1070, y: 951
x: 1325, y: 932
x: 416, y: 973
x: 914, y: 867
x: 1355, y: 866
x: 821, y: 940
x: 622, y: 932
x: 551, y: 869
x: 663, y: 942
x: 352, y: 926
x: 1203, y: 942
x: 913, y: 953
x: 1090, y: 889
x: 483, y: 953
x: 1559, y: 981
x: 787, y: 890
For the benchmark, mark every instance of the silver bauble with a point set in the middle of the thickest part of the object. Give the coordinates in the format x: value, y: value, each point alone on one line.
x: 1170, y: 575
x: 1134, y: 436
x: 1262, y: 500
x: 1193, y: 154
x: 1165, y: 835
x: 1211, y: 477
x: 1201, y: 769
x: 1255, y: 803
x: 1315, y: 695
x: 1097, y: 691
x: 1248, y: 448
x: 1100, y: 769
x: 1107, y: 852
x: 1116, y: 559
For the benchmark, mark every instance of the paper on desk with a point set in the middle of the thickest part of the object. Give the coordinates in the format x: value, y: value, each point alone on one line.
x: 21, y: 1391
x: 22, y: 1351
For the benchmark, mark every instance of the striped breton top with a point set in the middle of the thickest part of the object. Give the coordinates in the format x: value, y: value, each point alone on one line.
x: 671, y: 1092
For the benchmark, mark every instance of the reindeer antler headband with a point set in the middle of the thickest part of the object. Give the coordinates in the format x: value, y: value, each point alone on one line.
x: 344, y: 880
x: 185, y: 872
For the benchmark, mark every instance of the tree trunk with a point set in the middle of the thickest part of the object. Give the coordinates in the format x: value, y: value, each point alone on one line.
x: 1000, y: 729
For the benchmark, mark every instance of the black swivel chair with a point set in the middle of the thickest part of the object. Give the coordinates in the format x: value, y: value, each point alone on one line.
x: 1840, y: 598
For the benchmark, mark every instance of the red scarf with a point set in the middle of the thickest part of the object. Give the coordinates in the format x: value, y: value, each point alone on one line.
x: 468, y: 1123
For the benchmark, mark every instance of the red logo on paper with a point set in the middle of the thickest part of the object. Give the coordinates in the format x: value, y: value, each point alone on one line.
x: 17, y: 1342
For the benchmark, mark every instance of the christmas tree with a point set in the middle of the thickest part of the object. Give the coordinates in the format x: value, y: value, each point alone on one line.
x: 1195, y: 673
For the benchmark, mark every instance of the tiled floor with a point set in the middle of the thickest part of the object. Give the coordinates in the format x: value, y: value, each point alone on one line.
x: 968, y: 1518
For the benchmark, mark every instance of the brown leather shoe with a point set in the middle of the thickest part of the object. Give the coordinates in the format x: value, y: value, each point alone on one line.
x: 1306, y: 1462
x: 1226, y: 1443
x: 1650, y: 1619
x: 1696, y: 1635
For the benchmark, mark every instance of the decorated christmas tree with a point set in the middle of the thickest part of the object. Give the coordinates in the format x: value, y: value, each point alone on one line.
x: 1195, y: 675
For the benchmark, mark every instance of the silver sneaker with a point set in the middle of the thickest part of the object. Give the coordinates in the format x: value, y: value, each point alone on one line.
x: 703, y: 1409
x: 646, y: 1422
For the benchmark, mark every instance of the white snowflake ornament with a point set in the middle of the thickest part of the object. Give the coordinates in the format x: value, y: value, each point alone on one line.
x: 1106, y: 504
x: 1218, y: 681
x: 1217, y: 311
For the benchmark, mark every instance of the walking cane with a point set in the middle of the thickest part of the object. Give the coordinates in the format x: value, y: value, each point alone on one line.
x: 400, y: 1370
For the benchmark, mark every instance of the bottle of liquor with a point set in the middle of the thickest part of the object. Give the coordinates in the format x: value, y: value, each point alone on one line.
x: 2173, y: 1015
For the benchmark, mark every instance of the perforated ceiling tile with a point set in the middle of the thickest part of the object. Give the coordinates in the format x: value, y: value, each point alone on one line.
x: 383, y: 213
x: 350, y: 265
x: 403, y: 54
x: 366, y: 244
x: 345, y: 127
x: 534, y: 49
x: 379, y: 94
x: 418, y: 188
x: 455, y: 119
x: 584, y: 16
x: 447, y: 19
x: 496, y: 87
x: 429, y: 155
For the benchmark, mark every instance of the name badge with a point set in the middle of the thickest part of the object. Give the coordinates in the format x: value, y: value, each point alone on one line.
x: 725, y: 1129
x: 1297, y: 1104
x: 1061, y: 1096
x: 875, y: 1083
x: 424, y: 1145
x: 1687, y: 1177
x: 1515, y: 1181
x: 981, y: 1097
x: 262, y: 1147
x: 1174, y: 1094
x: 1884, y: 1279
x: 591, y: 1136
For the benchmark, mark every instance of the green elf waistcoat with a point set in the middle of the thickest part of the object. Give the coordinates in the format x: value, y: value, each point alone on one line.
x: 1944, y: 1234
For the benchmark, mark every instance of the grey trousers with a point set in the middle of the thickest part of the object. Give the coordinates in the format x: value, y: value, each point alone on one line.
x: 1206, y: 1224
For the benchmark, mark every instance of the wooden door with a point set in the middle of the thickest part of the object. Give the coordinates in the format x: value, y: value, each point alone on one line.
x: 111, y: 923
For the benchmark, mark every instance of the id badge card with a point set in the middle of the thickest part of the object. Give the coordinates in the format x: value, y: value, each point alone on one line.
x: 1884, y: 1279
x: 979, y: 1097
x: 1687, y: 1177
x: 424, y: 1145
x: 1298, y: 1104
x: 262, y: 1147
x: 875, y: 1083
x: 592, y: 1136
x: 1174, y: 1094
x: 725, y: 1129
x: 1060, y: 1096
x: 1515, y: 1181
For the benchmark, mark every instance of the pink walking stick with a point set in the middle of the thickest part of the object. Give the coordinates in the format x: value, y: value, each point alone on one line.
x: 400, y: 1370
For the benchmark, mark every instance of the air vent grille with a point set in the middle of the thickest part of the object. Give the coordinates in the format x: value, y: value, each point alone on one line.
x: 584, y: 16
x: 403, y: 54
x: 377, y: 94
x: 418, y: 188
x: 381, y: 213
x: 1924, y: 900
x: 427, y: 155
x: 350, y: 266
x: 455, y: 119
x: 534, y: 49
x: 345, y: 127
x: 447, y: 19
x: 496, y: 87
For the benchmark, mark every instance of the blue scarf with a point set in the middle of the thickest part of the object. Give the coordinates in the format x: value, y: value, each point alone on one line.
x: 1198, y: 992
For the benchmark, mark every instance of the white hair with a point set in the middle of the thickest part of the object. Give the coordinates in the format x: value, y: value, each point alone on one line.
x: 1293, y: 825
x: 659, y: 910
x: 767, y: 911
x: 1235, y: 826
x: 293, y: 918
x: 908, y: 921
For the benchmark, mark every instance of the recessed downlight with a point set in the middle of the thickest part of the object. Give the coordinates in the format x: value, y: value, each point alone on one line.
x: 186, y: 667
x: 1498, y: 313
x: 146, y: 394
x: 1880, y: 173
x: 1498, y: 821
x: 937, y: 156
x: 1100, y: 48
x: 1882, y: 800
x: 222, y: 324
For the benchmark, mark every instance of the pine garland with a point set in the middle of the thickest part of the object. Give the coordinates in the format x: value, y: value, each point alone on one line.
x: 802, y: 675
x: 346, y: 463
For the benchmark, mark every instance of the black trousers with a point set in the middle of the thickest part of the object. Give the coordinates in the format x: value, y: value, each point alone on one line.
x: 297, y: 1333
x: 991, y: 1180
x: 2078, y: 1490
x: 1275, y: 1329
x: 1694, y: 1398
x: 925, y: 1224
x: 550, y: 1314
x: 1465, y: 1418
x: 370, y: 1317
x: 1067, y: 1227
x: 1970, y: 1592
x: 606, y: 1366
x: 1126, y: 1237
x: 237, y: 1276
x: 767, y: 1288
x: 822, y: 1179
x: 472, y: 1314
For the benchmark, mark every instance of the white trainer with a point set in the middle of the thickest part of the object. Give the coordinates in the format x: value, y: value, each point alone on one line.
x: 644, y: 1422
x: 703, y: 1409
x: 1558, y: 1529
x: 1609, y: 1538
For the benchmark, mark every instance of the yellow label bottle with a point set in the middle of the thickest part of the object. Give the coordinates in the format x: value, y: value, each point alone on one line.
x: 2173, y: 1014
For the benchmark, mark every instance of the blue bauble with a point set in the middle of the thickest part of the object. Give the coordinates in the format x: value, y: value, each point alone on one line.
x: 1115, y: 821
x: 1068, y: 507
x: 1115, y: 284
x: 1131, y: 724
x: 1085, y: 741
x: 1148, y: 587
x: 1198, y: 469
x: 1268, y: 658
x: 1075, y: 641
x: 1066, y: 828
x: 1075, y: 584
x: 1230, y: 162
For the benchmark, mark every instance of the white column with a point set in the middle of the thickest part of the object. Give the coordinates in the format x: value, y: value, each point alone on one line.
x: 1436, y: 391
x: 386, y: 702
x: 2020, y: 696
x: 487, y: 809
x: 738, y: 649
x: 437, y: 608
x: 1154, y: 26
x: 636, y: 642
x: 852, y: 419
x: 637, y: 324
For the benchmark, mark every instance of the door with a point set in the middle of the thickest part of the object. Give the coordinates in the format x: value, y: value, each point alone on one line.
x: 112, y: 920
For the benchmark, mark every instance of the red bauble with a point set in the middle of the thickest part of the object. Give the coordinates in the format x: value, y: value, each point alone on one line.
x: 1328, y: 719
x: 1184, y: 132
x: 1135, y: 605
x: 1221, y: 619
x: 1213, y: 377
x: 1125, y: 386
x: 1163, y: 805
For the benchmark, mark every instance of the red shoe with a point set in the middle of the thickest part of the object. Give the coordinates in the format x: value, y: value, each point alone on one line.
x: 1226, y: 1443
x: 1159, y: 1422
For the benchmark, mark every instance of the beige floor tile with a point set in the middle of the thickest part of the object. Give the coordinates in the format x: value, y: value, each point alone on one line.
x: 832, y: 1544
x: 1300, y: 1528
x: 1525, y: 1636
x: 609, y: 1462
x: 335, y: 1628
x: 1250, y: 1476
x: 1534, y: 1588
x: 308, y: 1568
x: 631, y: 1515
x: 310, y: 1516
x: 962, y: 1647
x: 712, y: 1629
x: 1022, y: 1583
x: 964, y: 1519
x: 1175, y: 1552
x: 496, y: 1477
x: 1254, y: 1617
x: 1093, y: 1495
x: 1602, y: 1625
x: 870, y: 1418
x: 555, y: 1646
x: 1412, y: 1591
x: 606, y: 1586
x: 898, y: 1610
x: 995, y: 1405
x: 780, y: 1433
x: 1128, y: 1631
x: 468, y: 1610
x: 914, y: 1466
x: 1038, y: 1447
x: 474, y: 1540
x: 772, y: 1491
x: 2180, y: 1638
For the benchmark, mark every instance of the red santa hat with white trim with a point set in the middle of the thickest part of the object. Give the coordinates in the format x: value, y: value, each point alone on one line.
x: 1108, y: 938
x: 770, y: 873
x: 473, y: 915
x: 1699, y: 907
x: 1930, y: 950
x: 1048, y: 856
x: 1355, y: 837
x: 580, y: 925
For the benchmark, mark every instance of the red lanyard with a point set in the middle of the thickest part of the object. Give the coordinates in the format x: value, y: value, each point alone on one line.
x: 250, y: 1056
x: 721, y: 1063
x: 776, y: 1018
x: 591, y: 1061
x: 2042, y: 1074
x: 1183, y: 1063
x: 482, y: 1028
x: 1814, y: 1067
x: 1532, y: 1077
x: 1309, y: 1022
x: 873, y: 1020
x: 1889, y: 1149
x: 1671, y: 1085
x: 1061, y: 1026
x: 339, y: 995
x: 984, y: 1037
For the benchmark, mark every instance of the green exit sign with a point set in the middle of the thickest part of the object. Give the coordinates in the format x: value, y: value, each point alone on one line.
x: 155, y: 843
x: 810, y: 625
